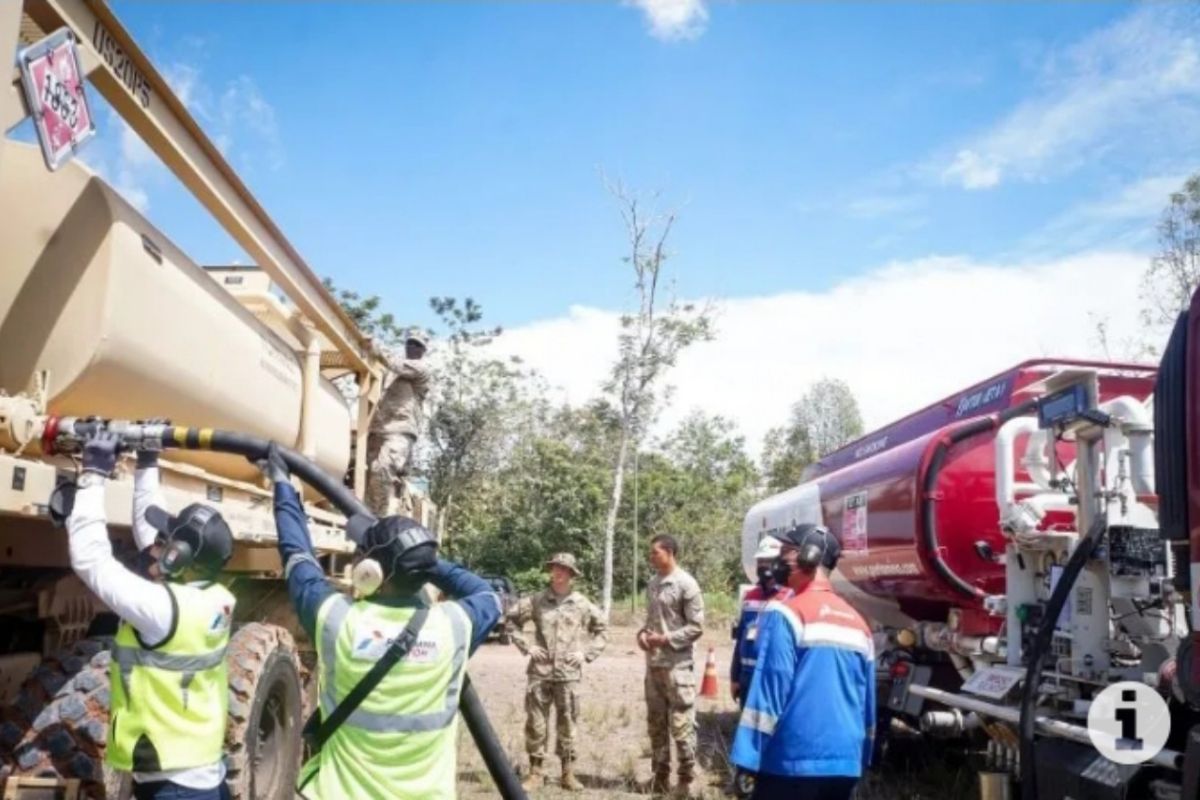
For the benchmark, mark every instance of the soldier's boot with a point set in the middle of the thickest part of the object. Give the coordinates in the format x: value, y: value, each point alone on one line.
x: 569, y: 781
x: 686, y: 788
x: 534, y: 779
x: 660, y: 784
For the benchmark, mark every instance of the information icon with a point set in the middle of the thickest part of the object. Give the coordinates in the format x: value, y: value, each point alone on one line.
x: 1129, y: 723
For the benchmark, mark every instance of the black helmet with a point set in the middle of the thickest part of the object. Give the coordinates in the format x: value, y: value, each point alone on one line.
x: 198, y: 538
x: 816, y: 545
x: 402, y: 546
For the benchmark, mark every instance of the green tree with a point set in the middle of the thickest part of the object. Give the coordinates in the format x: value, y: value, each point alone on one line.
x: 1174, y: 273
x: 368, y: 315
x: 697, y: 485
x: 824, y: 419
x: 649, y: 343
x: 477, y: 401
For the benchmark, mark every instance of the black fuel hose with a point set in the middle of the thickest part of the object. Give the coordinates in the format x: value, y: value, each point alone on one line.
x: 254, y: 448
x: 930, y: 495
x: 1041, y: 645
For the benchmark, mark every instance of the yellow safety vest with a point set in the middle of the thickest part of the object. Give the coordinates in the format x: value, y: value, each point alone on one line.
x: 169, y: 702
x: 401, y: 741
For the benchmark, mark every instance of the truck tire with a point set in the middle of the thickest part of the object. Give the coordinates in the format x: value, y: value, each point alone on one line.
x: 262, y: 741
x: 58, y: 725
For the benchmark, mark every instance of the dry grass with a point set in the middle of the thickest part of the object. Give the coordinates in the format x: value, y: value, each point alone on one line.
x: 614, y: 756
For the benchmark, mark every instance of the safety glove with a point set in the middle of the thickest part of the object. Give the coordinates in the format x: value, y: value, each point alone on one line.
x: 273, y: 467
x: 147, y: 457
x: 100, y: 452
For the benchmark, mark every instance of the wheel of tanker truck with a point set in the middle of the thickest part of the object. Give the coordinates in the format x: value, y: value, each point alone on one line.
x: 58, y: 725
x: 265, y: 713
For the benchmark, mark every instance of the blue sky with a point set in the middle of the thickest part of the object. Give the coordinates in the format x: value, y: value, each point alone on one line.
x: 835, y: 154
x: 417, y: 149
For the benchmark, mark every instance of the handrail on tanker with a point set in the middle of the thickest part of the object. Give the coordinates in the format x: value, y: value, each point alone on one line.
x: 126, y: 78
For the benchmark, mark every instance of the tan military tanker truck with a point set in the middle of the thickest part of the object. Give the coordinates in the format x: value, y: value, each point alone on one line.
x: 101, y: 314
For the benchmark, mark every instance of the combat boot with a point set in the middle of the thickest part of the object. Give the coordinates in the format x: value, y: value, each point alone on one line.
x: 569, y: 781
x: 660, y: 784
x: 685, y: 789
x: 534, y: 779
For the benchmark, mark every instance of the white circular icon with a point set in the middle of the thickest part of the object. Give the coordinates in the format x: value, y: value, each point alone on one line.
x: 1129, y: 723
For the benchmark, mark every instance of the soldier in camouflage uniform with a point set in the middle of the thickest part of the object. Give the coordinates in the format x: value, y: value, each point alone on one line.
x: 568, y: 630
x: 394, y: 427
x: 674, y: 621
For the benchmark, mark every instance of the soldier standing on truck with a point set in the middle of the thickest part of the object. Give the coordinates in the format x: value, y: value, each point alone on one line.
x: 674, y: 621
x: 808, y: 727
x: 395, y: 425
x: 169, y: 683
x: 391, y: 662
x: 568, y: 630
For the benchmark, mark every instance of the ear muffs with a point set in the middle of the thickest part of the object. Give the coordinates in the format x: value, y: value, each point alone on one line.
x: 176, y: 557
x: 366, y: 577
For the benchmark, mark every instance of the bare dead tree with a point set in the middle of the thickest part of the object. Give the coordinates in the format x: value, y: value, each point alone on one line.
x: 651, y: 338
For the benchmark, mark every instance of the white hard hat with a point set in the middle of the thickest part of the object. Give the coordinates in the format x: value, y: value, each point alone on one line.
x: 769, y: 547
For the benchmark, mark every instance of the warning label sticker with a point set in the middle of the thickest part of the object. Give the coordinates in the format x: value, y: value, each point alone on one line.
x: 854, y: 523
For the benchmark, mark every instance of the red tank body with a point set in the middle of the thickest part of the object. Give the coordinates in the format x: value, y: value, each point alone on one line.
x: 870, y: 494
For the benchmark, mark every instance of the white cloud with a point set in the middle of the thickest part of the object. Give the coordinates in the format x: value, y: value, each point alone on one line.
x: 903, y: 336
x: 1133, y: 86
x: 972, y: 170
x: 673, y: 20
x: 1123, y: 219
x: 885, y: 205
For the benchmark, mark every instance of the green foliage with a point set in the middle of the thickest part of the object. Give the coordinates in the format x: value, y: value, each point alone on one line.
x: 823, y: 420
x: 365, y: 311
x: 1174, y: 273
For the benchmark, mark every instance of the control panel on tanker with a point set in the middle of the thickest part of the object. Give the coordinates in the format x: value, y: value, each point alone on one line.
x: 1065, y: 406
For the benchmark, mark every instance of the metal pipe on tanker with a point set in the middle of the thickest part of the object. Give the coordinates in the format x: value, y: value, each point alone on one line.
x: 1171, y: 759
x: 1036, y: 462
x: 1137, y: 423
x: 1006, y: 461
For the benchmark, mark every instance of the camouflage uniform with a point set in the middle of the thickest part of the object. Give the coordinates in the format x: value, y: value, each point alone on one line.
x: 675, y: 608
x: 562, y: 626
x: 393, y: 433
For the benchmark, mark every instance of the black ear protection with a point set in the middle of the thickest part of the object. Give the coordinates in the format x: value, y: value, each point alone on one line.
x: 389, y: 549
x: 198, y: 538
x: 815, y: 547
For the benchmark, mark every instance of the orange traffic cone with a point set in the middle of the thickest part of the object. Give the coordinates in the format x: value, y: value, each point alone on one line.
x: 708, y: 686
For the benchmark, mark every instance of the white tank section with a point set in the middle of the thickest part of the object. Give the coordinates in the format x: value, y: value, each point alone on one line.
x: 122, y: 324
x: 776, y: 514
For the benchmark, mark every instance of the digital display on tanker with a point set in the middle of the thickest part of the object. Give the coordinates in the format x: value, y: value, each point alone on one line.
x: 1060, y: 408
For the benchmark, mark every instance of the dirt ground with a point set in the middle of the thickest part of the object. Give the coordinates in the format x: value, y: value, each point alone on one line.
x: 614, y: 753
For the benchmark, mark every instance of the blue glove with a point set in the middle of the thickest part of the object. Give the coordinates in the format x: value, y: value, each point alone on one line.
x: 100, y: 452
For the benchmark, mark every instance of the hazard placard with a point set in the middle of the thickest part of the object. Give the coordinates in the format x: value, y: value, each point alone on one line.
x: 53, y: 82
x: 854, y: 523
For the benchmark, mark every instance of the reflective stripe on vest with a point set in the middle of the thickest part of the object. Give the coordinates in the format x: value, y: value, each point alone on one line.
x: 387, y: 723
x: 169, y: 704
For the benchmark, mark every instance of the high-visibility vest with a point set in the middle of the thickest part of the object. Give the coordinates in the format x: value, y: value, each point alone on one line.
x: 169, y: 702
x: 401, y: 741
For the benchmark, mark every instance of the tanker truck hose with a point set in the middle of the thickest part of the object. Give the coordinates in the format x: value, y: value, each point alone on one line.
x: 1041, y: 646
x: 254, y: 448
x: 930, y: 494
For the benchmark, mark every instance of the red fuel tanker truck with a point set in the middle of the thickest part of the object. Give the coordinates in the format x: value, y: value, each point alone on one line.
x: 1018, y: 547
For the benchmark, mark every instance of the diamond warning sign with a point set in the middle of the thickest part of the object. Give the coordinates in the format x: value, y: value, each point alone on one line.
x: 53, y: 83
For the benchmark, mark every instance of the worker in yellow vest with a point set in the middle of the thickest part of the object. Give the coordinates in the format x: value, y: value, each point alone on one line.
x: 390, y: 663
x: 169, y: 692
